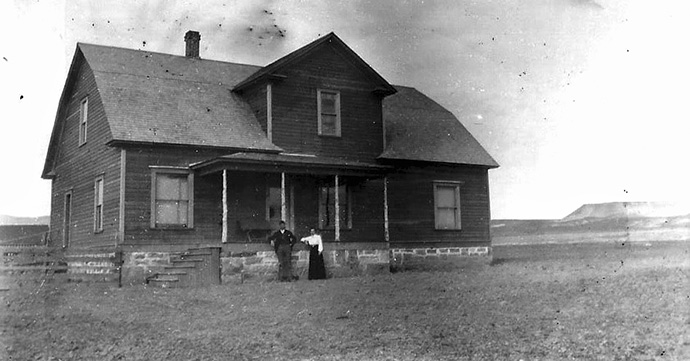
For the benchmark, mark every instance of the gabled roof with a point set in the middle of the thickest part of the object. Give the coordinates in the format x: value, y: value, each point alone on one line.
x: 167, y: 99
x: 275, y: 68
x: 156, y: 98
x: 418, y: 128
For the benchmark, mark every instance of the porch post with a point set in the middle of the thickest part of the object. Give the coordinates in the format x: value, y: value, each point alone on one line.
x: 269, y: 112
x: 224, y: 236
x: 291, y: 223
x: 386, y: 233
x: 337, y: 210
x: 283, y: 202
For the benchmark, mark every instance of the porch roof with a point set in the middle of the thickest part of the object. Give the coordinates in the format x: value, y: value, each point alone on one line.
x: 289, y: 163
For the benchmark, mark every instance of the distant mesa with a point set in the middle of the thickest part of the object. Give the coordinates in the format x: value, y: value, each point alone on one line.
x: 629, y: 210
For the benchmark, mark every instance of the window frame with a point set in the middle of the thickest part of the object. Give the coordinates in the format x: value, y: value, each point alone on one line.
x: 320, y: 112
x: 83, y: 120
x: 155, y: 172
x: 458, y: 204
x: 98, y: 195
x: 348, y: 197
x: 67, y: 218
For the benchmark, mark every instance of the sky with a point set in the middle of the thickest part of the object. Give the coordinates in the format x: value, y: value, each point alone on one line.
x: 579, y: 101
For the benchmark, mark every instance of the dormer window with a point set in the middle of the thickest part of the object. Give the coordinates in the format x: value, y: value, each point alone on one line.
x: 83, y: 117
x: 329, y: 112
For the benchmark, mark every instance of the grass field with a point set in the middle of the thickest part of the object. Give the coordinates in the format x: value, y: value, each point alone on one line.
x: 597, y: 301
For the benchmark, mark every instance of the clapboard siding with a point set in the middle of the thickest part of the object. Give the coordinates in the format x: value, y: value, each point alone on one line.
x: 295, y: 118
x: 207, y: 212
x: 411, y: 206
x: 76, y: 168
x: 256, y: 97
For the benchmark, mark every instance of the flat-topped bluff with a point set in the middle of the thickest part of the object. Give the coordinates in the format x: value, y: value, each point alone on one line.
x: 629, y: 210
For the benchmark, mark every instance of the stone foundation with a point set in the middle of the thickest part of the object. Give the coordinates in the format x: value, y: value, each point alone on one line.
x: 405, y: 259
x: 342, y: 262
x: 249, y: 262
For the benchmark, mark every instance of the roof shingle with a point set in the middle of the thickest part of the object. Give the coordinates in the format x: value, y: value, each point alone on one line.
x: 167, y: 99
x: 418, y: 128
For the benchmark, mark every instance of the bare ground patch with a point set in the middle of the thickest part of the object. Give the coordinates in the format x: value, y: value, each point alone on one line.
x: 549, y: 302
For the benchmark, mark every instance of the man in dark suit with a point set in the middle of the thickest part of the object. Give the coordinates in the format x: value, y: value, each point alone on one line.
x: 282, y: 242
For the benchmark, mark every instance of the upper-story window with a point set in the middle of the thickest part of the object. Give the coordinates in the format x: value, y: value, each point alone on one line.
x: 83, y: 117
x: 329, y: 112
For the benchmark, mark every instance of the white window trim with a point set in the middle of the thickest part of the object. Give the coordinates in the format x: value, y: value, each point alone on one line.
x: 348, y: 194
x: 337, y: 112
x: 458, y: 216
x: 155, y: 170
x: 98, y: 195
x: 83, y: 120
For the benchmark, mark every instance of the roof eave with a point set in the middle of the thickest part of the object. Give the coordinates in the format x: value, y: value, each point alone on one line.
x: 125, y: 143
x: 215, y: 164
x: 488, y: 165
x: 49, y: 165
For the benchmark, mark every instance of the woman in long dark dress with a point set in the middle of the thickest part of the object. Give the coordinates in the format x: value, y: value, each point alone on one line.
x: 317, y: 269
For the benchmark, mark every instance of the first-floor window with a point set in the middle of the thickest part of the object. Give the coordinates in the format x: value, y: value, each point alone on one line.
x: 98, y: 204
x: 172, y: 196
x: 327, y: 206
x: 447, y: 205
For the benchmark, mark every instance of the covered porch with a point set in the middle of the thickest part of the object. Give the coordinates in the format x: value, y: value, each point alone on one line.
x: 345, y: 200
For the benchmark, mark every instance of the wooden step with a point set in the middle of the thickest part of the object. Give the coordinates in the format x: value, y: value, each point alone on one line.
x: 201, y: 252
x: 186, y: 262
x: 188, y: 258
x: 164, y: 283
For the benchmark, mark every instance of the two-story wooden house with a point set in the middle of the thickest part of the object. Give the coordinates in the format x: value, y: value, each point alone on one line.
x: 153, y: 154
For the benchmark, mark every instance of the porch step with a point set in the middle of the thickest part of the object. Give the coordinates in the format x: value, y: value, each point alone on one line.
x: 194, y: 252
x: 169, y: 279
x: 194, y: 267
x: 187, y: 257
x: 163, y: 281
x: 185, y: 262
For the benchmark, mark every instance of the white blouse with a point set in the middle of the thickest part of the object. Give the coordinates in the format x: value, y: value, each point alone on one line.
x: 314, y: 240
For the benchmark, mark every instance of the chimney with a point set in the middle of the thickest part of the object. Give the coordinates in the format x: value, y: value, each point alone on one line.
x: 192, y: 38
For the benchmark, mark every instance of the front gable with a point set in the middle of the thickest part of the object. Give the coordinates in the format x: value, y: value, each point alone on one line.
x: 276, y: 69
x: 322, y: 99
x: 70, y: 137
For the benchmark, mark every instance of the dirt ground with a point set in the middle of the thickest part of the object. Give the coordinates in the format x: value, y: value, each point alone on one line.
x: 547, y: 302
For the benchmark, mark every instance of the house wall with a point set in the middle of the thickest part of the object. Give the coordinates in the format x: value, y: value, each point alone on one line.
x: 207, y: 190
x: 411, y: 207
x: 295, y: 119
x: 256, y: 97
x: 77, y: 167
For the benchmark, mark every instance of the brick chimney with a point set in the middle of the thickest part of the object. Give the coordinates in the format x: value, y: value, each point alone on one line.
x: 192, y: 38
